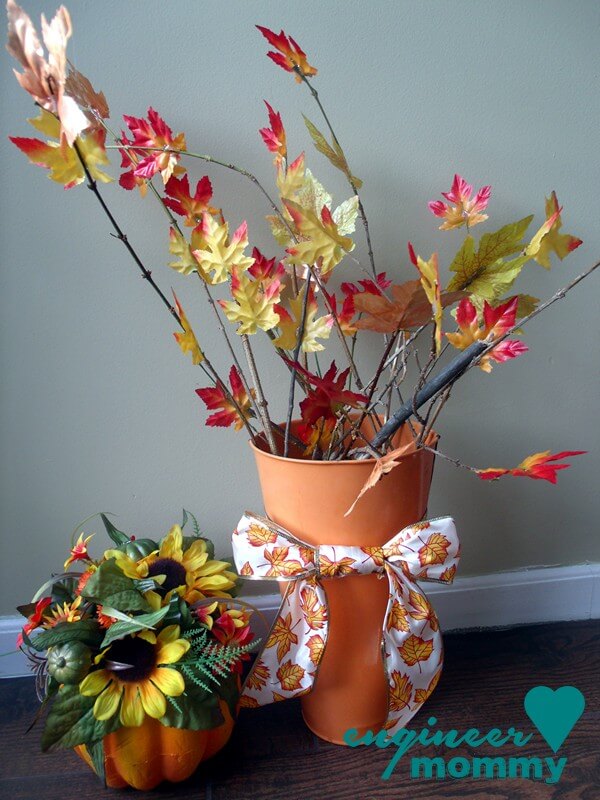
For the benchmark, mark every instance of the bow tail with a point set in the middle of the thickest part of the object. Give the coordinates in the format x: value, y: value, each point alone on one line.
x: 287, y: 665
x: 413, y: 651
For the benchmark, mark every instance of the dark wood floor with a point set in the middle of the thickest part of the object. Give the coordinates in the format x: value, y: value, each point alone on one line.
x: 272, y: 755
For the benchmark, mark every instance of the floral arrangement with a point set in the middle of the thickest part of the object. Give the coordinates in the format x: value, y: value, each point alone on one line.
x: 148, y: 630
x: 433, y: 326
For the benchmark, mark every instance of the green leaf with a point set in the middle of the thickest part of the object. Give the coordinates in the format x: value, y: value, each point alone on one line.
x: 116, y: 535
x: 526, y: 305
x: 188, y: 514
x: 27, y: 609
x: 109, y: 586
x: 196, y: 709
x: 482, y: 271
x: 86, y: 631
x: 229, y: 690
x: 96, y: 751
x: 142, y: 622
x: 71, y: 721
x: 345, y: 215
x: 334, y: 153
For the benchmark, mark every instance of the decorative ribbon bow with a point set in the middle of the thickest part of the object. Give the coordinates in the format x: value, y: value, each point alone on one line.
x: 411, y: 638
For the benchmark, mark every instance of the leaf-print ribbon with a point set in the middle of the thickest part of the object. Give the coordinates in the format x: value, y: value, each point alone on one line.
x: 411, y: 640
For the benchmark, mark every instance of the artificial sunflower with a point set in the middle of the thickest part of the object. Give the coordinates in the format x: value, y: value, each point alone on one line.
x: 136, y: 672
x: 189, y: 573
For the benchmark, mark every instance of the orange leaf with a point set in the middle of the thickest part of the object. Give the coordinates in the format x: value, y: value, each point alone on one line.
x: 246, y: 569
x: 316, y: 647
x: 416, y: 649
x: 314, y: 612
x: 382, y: 467
x: 259, y: 535
x: 421, y: 695
x: 400, y: 691
x: 448, y: 574
x: 422, y: 609
x: 290, y: 676
x: 409, y: 308
x: 435, y: 550
x: 282, y: 636
x: 258, y: 677
x: 249, y: 702
x: 536, y: 466
x: 398, y: 617
x: 334, y: 569
x: 280, y: 566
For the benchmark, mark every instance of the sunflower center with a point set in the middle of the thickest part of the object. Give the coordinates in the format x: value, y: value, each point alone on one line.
x: 138, y: 654
x: 174, y: 571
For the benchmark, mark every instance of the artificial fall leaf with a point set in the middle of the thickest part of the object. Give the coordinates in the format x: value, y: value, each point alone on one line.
x: 398, y: 617
x: 316, y: 648
x: 323, y: 246
x: 290, y: 676
x: 281, y: 566
x: 434, y: 551
x: 187, y: 340
x: 289, y: 55
x: 291, y: 179
x: 180, y: 200
x: 430, y: 281
x: 62, y: 160
x: 260, y: 535
x: 400, y: 691
x: 333, y: 153
x: 155, y: 133
x: 282, y: 636
x: 496, y: 321
x: 408, y: 308
x: 186, y: 262
x: 554, y: 242
x: 345, y: 314
x: 45, y: 79
x: 217, y: 398
x: 382, y: 466
x: 274, y: 137
x: 462, y: 210
x: 537, y: 466
x: 264, y: 268
x: 218, y: 253
x: 329, y: 396
x: 316, y: 437
x: 416, y: 649
x: 345, y: 215
x: 315, y: 328
x: 421, y: 609
x: 253, y: 306
x: 421, y: 695
x: 258, y: 676
x: 81, y: 90
x: 315, y: 613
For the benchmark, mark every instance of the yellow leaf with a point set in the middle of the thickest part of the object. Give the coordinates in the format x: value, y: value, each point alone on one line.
x: 398, y: 617
x: 416, y: 649
x: 554, y: 242
x: 315, y: 328
x: 290, y: 676
x: 290, y: 180
x: 323, y: 247
x: 421, y: 695
x: 253, y: 303
x: 334, y: 153
x: 314, y: 612
x: 187, y: 340
x: 435, y: 550
x: 422, y: 609
x: 218, y: 253
x: 430, y: 281
x: 282, y: 636
x: 400, y: 691
x: 186, y: 262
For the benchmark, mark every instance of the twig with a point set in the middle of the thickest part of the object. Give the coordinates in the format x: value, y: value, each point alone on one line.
x: 299, y: 341
x: 454, y: 461
x: 260, y: 397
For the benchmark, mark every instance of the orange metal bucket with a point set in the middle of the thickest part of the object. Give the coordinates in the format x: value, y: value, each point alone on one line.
x: 309, y: 498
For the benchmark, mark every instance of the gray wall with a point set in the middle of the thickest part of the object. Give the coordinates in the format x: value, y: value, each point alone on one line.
x: 98, y: 408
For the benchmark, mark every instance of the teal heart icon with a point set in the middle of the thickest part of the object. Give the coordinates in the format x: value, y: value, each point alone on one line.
x: 554, y: 712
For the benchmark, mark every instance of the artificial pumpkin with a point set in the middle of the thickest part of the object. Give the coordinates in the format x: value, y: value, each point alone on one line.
x: 69, y: 662
x: 146, y: 756
x: 137, y: 549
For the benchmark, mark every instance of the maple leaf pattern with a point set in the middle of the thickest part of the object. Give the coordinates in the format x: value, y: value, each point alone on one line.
x: 415, y: 649
x: 315, y: 614
x: 246, y: 569
x: 249, y: 702
x: 435, y: 550
x: 316, y: 648
x: 259, y: 535
x: 258, y: 676
x: 448, y: 574
x: 398, y: 617
x: 307, y: 554
x: 280, y: 566
x: 336, y: 568
x: 400, y: 691
x: 422, y: 609
x: 290, y: 676
x: 421, y: 695
x: 282, y: 635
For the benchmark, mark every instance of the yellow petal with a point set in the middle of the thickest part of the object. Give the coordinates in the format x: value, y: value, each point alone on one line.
x: 94, y: 683
x: 132, y: 710
x: 169, y: 681
x: 213, y: 567
x: 172, y: 652
x: 169, y: 634
x: 153, y: 599
x: 147, y: 636
x: 107, y: 703
x: 127, y: 565
x: 153, y: 700
x: 195, y: 556
x: 172, y: 544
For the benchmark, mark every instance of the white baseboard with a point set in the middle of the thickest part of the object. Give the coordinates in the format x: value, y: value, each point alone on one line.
x: 502, y: 599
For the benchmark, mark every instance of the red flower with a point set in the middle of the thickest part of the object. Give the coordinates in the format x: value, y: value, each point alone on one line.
x: 35, y: 620
x: 290, y: 55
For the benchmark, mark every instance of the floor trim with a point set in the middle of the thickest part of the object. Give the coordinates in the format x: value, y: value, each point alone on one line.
x: 502, y: 599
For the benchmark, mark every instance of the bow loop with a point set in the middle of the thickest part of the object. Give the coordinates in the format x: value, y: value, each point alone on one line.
x: 426, y: 551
